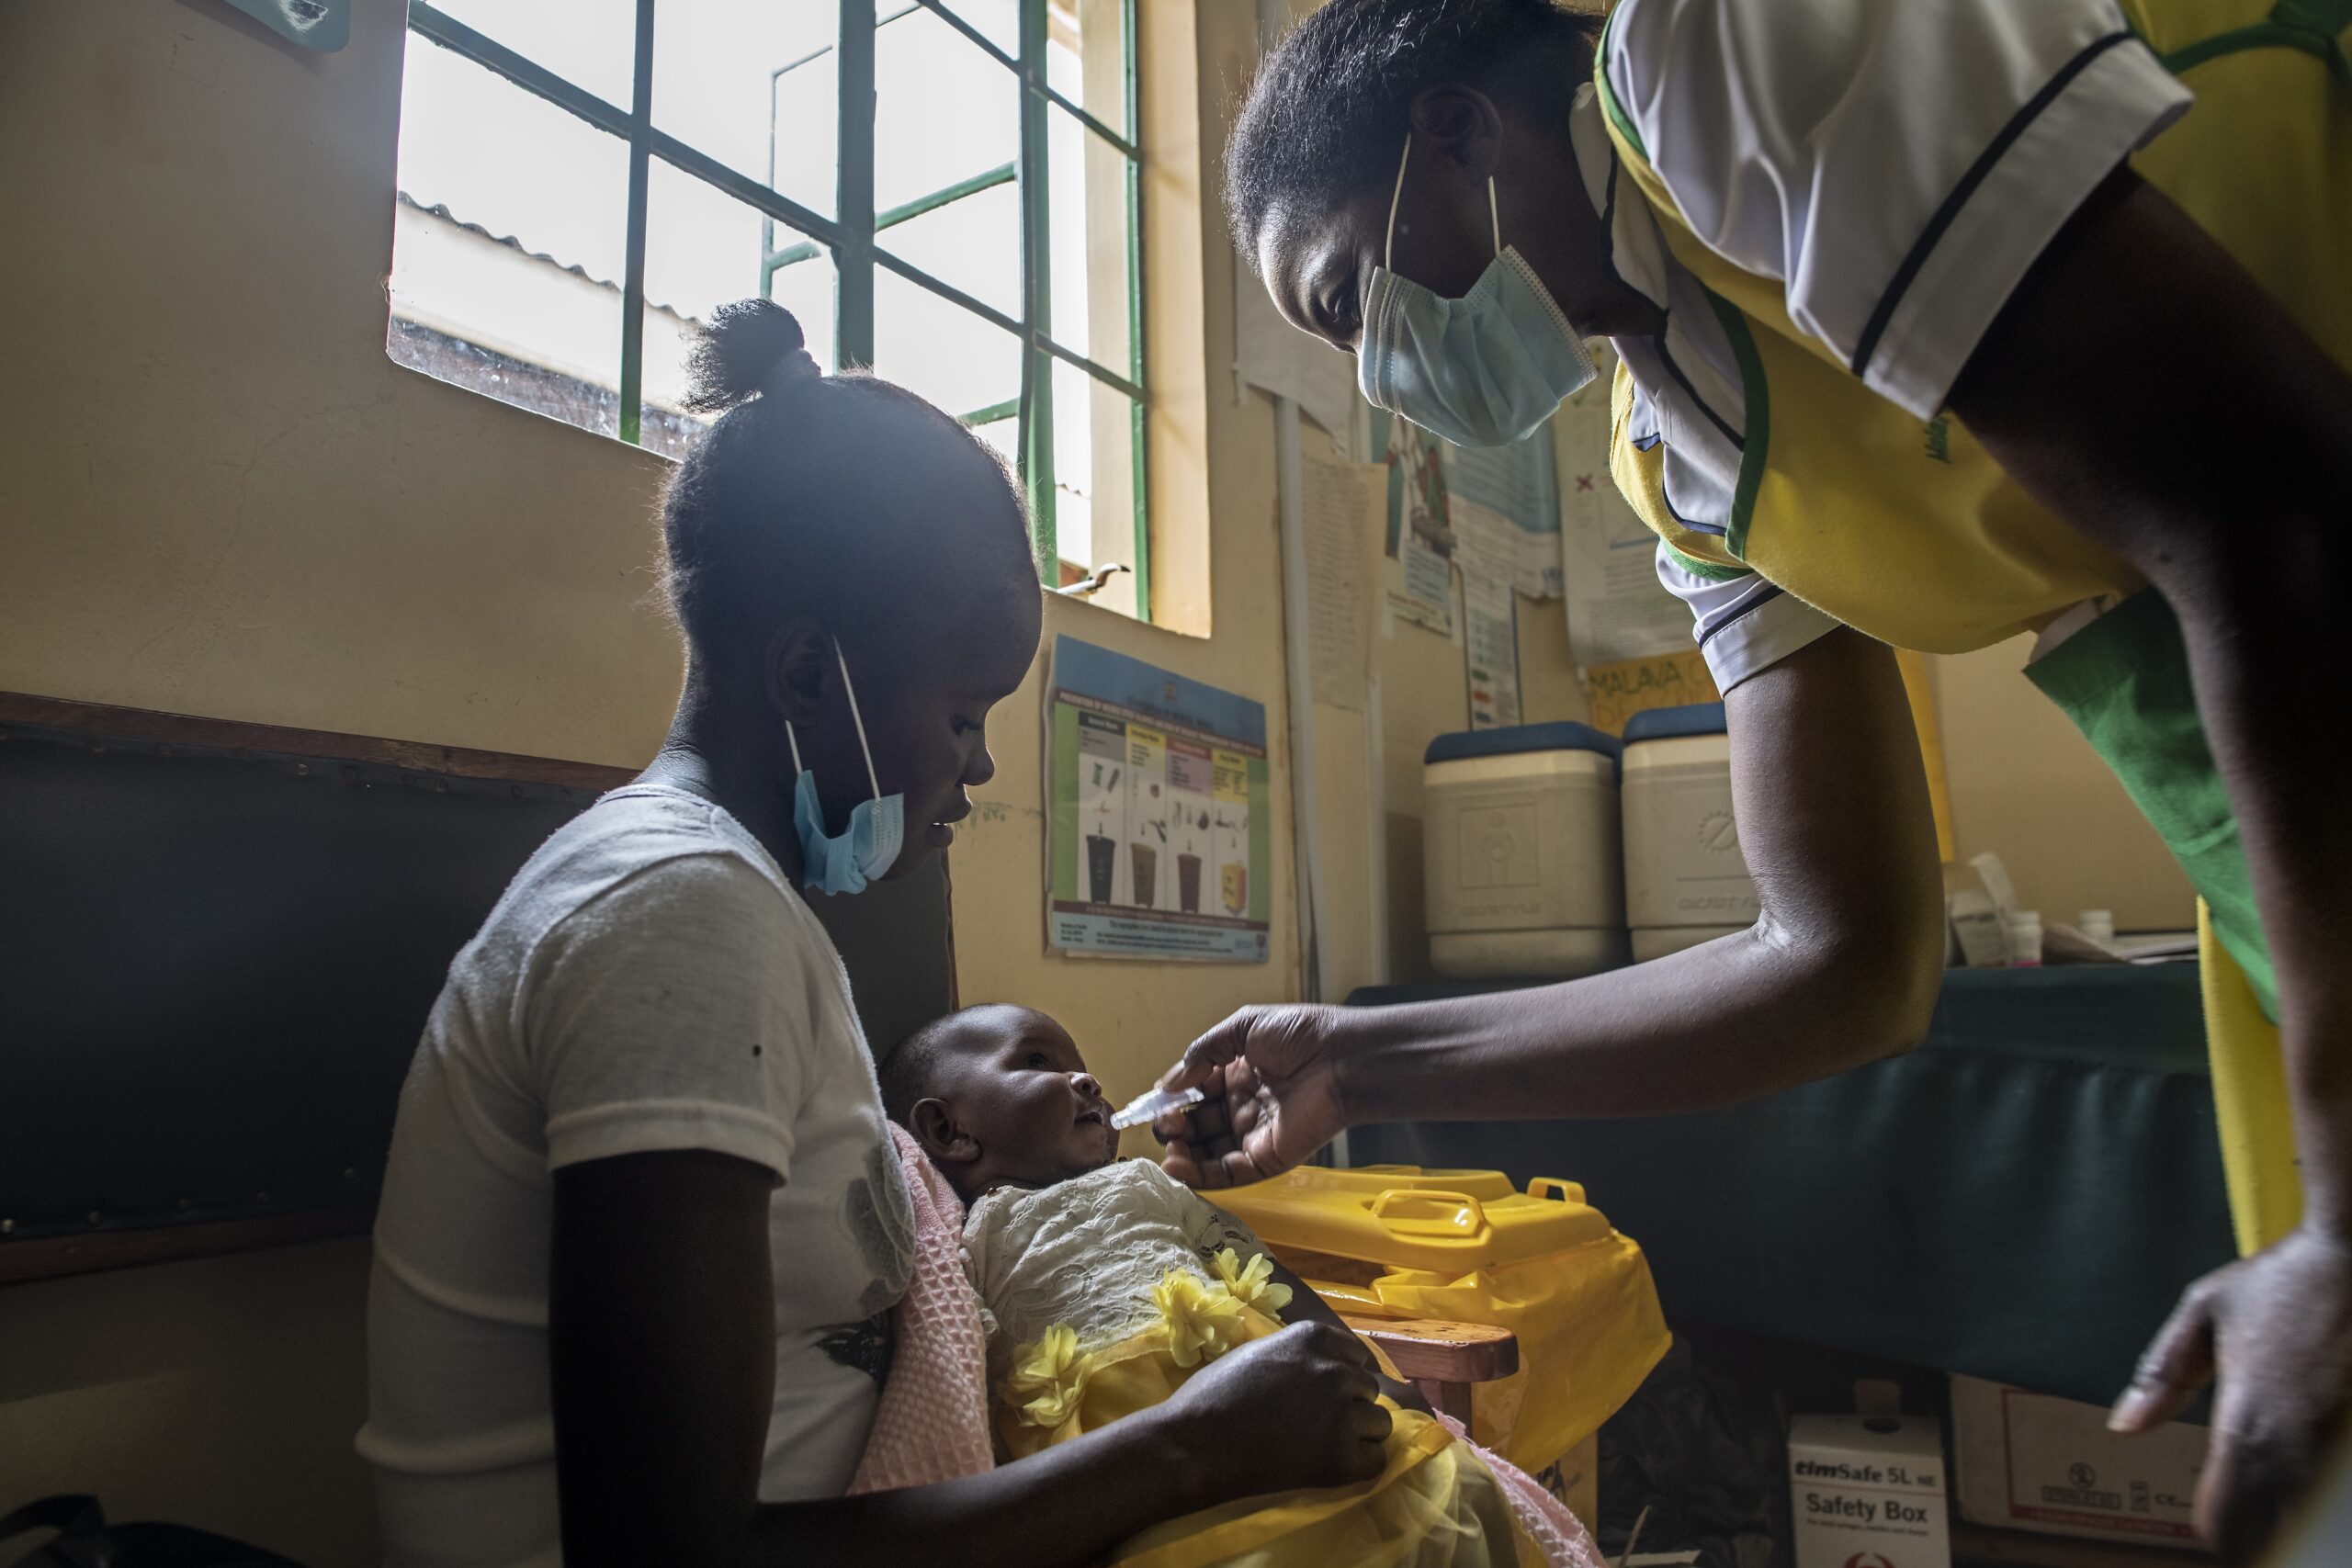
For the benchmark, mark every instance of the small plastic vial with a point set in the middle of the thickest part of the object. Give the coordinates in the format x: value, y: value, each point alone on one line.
x: 1154, y: 1103
x: 2025, y: 938
x: 2096, y: 924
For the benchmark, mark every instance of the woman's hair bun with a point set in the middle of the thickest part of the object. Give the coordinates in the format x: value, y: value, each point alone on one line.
x: 751, y: 346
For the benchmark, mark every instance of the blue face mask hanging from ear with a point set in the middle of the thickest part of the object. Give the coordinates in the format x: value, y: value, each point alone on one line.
x: 1483, y: 370
x: 878, y: 828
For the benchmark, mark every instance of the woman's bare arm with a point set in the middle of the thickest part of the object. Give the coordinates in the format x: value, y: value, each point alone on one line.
x: 662, y: 1352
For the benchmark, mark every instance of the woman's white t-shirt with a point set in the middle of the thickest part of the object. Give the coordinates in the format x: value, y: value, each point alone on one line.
x: 647, y: 982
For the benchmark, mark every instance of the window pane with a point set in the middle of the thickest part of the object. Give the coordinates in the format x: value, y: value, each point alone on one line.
x: 702, y: 251
x: 999, y: 21
x: 1088, y: 179
x: 1004, y: 435
x: 590, y: 43
x: 973, y: 243
x: 943, y: 109
x: 1086, y: 62
x: 506, y: 269
x: 940, y: 351
x: 755, y: 83
x: 1094, y: 489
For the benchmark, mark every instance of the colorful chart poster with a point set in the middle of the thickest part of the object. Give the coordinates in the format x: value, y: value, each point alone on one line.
x: 1161, y: 814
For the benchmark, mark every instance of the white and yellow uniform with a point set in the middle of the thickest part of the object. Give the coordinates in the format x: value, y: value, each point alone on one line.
x: 1831, y: 201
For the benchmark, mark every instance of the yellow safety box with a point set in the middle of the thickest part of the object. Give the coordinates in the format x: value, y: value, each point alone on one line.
x: 1469, y: 1247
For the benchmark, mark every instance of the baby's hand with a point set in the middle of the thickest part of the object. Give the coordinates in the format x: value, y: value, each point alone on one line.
x: 1293, y: 1409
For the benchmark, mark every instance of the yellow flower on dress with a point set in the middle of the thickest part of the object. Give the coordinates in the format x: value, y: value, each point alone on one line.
x: 1252, y: 1286
x: 1047, y: 1378
x: 1203, y: 1321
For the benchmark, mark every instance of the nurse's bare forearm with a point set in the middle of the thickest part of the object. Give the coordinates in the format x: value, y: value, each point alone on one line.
x: 1842, y: 969
x: 2231, y: 489
x: 1741, y: 1016
x: 2249, y: 645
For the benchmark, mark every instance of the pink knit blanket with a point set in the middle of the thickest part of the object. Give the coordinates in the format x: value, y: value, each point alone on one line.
x: 932, y: 1421
x: 1565, y: 1541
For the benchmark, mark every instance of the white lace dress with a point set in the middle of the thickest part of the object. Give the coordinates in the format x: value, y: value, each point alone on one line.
x: 1086, y: 1253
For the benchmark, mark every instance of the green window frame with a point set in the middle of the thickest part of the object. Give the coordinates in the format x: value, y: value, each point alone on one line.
x: 856, y: 238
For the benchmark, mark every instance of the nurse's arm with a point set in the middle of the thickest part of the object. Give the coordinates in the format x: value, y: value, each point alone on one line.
x: 1841, y: 968
x: 2147, y: 388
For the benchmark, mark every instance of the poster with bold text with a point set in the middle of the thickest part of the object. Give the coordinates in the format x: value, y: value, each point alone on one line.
x: 1161, y: 813
x: 1623, y: 687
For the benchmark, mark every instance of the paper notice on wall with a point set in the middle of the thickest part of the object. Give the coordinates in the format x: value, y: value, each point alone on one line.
x: 1512, y: 488
x: 1487, y: 551
x: 1271, y: 354
x: 1345, y: 504
x: 1417, y: 539
x: 1490, y: 608
x: 1617, y: 609
x: 1624, y: 687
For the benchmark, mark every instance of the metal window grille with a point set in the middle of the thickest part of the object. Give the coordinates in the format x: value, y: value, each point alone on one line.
x: 857, y: 237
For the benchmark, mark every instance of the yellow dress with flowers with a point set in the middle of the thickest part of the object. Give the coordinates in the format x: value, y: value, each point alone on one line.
x: 1108, y: 1291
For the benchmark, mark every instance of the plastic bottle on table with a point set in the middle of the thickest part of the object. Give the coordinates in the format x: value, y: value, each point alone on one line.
x: 2025, y: 938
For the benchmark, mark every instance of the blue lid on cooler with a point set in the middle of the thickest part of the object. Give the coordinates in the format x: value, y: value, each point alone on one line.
x: 1512, y: 739
x: 1671, y: 724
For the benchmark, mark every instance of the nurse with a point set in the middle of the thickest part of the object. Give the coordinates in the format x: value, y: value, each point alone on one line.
x: 1937, y: 322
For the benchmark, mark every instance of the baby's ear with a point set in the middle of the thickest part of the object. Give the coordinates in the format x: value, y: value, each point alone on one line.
x: 935, y: 1128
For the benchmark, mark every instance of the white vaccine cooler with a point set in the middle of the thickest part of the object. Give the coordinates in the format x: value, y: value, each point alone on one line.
x: 1685, y: 882
x: 1519, y: 844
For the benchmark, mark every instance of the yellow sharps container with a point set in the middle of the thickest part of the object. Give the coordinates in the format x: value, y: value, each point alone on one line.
x: 1400, y: 1241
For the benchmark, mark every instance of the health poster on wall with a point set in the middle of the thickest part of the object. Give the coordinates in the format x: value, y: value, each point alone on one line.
x: 1161, y: 813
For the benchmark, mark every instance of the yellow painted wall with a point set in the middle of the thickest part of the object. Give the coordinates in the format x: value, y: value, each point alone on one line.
x: 2025, y: 784
x: 222, y: 1392
x: 220, y: 496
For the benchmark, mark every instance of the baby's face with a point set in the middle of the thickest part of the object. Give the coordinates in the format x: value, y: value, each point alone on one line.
x: 1024, y: 1092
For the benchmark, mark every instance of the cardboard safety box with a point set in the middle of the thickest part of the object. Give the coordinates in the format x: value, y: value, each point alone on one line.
x: 2033, y: 1462
x: 1868, y: 1492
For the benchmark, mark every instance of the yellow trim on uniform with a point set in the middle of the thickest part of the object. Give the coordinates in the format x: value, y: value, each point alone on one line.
x: 2251, y: 1105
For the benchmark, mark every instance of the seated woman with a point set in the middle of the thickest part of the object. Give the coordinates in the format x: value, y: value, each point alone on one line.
x: 1108, y: 1286
x: 644, y: 1221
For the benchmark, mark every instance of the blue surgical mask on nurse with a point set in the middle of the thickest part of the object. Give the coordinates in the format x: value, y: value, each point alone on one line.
x: 1483, y: 370
x: 866, y: 849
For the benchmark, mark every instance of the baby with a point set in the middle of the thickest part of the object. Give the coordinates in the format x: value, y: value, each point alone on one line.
x: 1106, y: 1283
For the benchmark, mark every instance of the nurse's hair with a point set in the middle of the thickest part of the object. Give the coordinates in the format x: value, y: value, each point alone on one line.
x: 830, y: 496
x: 1327, y: 115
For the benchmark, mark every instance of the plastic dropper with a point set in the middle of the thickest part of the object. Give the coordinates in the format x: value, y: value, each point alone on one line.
x: 1155, y: 1103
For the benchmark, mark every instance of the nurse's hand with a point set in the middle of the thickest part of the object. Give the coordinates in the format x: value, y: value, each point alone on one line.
x: 1275, y: 1095
x: 2277, y: 1330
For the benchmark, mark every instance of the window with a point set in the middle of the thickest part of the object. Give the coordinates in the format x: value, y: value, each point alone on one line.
x: 947, y: 191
